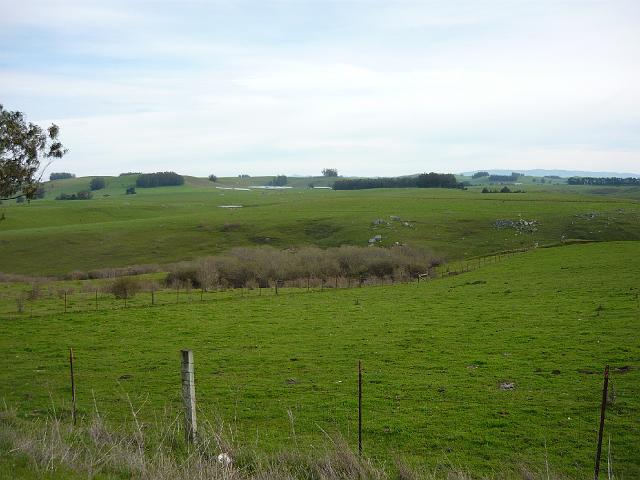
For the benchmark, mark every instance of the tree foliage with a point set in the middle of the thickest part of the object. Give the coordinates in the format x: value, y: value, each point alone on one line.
x: 330, y: 172
x: 480, y: 174
x: 61, y: 175
x: 159, y: 179
x: 22, y: 148
x: 97, y: 183
x: 614, y: 181
x: 279, y: 181
x: 424, y: 180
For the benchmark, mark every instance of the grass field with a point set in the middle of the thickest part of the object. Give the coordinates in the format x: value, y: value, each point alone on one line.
x: 434, y: 353
x: 168, y: 224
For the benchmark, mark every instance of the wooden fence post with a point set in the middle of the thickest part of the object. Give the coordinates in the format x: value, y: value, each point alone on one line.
x: 603, y: 407
x: 359, y: 407
x: 189, y: 395
x: 73, y: 386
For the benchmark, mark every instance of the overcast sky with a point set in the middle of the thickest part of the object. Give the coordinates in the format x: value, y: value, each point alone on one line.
x: 290, y: 87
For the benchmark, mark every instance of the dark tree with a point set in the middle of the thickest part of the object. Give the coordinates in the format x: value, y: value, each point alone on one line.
x: 61, y: 175
x: 424, y: 180
x: 97, y: 183
x: 159, y: 179
x: 279, y: 181
x: 330, y: 172
x: 22, y: 147
x: 480, y: 174
x: 213, y: 178
x: 131, y: 191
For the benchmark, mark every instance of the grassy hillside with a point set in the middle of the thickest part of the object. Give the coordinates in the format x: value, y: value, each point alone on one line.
x: 167, y: 224
x: 435, y: 355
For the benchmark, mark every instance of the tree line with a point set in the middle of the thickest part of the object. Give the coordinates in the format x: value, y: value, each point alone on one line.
x: 424, y: 180
x: 616, y: 181
x: 159, y: 179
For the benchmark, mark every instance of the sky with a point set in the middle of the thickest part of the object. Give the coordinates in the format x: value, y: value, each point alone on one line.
x: 372, y: 88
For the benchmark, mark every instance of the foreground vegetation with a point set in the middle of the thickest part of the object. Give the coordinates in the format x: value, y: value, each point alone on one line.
x: 280, y: 371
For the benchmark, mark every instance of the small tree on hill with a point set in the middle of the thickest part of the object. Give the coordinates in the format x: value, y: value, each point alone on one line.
x: 213, y: 178
x: 330, y: 172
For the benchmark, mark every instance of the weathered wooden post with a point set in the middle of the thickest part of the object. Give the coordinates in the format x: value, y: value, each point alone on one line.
x: 73, y: 387
x: 359, y: 407
x: 189, y: 395
x: 603, y: 407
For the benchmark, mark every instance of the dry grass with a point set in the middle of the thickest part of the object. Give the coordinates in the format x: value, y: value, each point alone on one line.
x: 92, y: 449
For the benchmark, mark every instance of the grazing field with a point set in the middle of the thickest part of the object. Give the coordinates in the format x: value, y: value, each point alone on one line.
x: 281, y: 370
x: 169, y: 224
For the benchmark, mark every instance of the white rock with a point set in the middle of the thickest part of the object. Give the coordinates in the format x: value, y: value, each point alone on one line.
x: 225, y: 459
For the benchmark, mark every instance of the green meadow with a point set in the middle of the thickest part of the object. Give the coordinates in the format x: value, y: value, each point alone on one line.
x: 281, y: 370
x: 169, y: 224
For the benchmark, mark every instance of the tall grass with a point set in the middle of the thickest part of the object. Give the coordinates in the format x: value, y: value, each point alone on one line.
x: 51, y: 445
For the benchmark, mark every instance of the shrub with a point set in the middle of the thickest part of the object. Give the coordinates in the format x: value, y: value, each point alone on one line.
x: 124, y: 287
x: 213, y: 178
x: 83, y: 195
x: 131, y: 191
x: 186, y: 276
x: 97, y: 183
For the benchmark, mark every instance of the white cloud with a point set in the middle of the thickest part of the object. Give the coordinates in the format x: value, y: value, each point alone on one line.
x: 390, y: 90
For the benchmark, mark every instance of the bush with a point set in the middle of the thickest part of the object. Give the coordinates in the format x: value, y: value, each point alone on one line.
x: 83, y: 195
x: 124, y: 288
x: 97, y: 183
x: 131, y: 191
x: 213, y: 178
x: 184, y: 277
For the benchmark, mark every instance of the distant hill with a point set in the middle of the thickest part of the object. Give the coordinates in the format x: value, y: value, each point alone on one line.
x: 559, y: 173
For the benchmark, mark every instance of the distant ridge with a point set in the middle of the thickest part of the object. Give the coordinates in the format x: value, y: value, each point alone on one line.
x: 559, y: 173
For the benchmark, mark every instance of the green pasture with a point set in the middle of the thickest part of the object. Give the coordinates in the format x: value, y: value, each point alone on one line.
x: 434, y: 354
x: 168, y: 224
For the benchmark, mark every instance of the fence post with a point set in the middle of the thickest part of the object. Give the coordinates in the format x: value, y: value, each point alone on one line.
x: 73, y: 386
x: 189, y: 395
x: 603, y: 407
x: 359, y: 407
